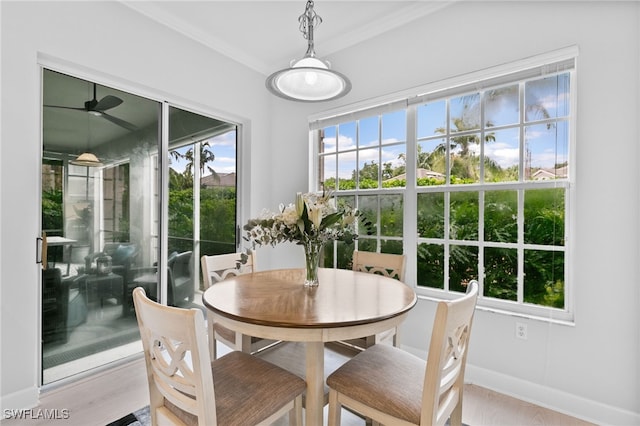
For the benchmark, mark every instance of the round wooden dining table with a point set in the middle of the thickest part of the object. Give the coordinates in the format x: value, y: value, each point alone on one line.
x: 275, y: 304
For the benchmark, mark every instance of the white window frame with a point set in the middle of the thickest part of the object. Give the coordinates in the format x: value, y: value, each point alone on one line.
x: 563, y: 60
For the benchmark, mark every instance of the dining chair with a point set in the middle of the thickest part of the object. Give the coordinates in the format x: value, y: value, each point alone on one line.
x: 391, y: 386
x: 185, y: 388
x: 216, y: 268
x: 389, y: 265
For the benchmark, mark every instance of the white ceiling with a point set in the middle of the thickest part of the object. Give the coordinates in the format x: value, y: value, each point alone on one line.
x: 264, y: 35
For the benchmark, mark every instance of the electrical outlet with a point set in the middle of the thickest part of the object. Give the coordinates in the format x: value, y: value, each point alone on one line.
x: 521, y: 330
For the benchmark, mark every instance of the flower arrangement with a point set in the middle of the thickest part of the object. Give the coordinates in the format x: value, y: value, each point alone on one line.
x: 311, y: 221
x: 313, y: 218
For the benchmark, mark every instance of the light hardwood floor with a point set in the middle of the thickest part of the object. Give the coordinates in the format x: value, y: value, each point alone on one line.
x: 114, y: 393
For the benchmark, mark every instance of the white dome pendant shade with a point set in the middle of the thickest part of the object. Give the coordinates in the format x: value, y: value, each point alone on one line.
x: 309, y: 79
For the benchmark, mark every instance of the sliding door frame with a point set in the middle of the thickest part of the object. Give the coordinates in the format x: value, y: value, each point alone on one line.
x: 165, y: 101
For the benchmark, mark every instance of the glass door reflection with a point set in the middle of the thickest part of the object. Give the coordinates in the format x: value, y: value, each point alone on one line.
x: 101, y: 220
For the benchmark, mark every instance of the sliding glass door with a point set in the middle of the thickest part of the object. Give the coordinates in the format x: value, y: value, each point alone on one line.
x: 202, y: 199
x: 102, y: 204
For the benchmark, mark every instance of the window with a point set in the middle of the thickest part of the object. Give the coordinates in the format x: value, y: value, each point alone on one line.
x: 471, y: 182
x: 350, y: 163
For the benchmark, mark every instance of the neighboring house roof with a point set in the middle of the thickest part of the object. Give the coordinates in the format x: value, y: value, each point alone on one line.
x: 548, y: 174
x: 420, y: 173
x: 224, y: 179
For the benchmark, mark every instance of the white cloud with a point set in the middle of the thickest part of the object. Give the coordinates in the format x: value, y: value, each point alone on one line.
x: 502, y: 153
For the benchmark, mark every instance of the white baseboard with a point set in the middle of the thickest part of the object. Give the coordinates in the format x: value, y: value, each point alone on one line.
x: 24, y: 399
x: 553, y: 399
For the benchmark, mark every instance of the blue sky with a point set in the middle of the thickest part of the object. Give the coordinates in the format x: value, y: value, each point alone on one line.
x: 547, y: 145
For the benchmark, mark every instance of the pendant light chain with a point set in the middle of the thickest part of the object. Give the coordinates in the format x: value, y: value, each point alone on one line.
x: 309, y: 79
x: 308, y: 21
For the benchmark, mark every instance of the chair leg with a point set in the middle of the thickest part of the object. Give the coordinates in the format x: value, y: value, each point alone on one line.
x: 456, y: 415
x: 243, y: 343
x: 295, y: 415
x: 334, y: 408
x: 213, y: 351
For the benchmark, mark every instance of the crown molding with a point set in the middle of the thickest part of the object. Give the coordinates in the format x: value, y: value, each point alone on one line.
x: 410, y: 11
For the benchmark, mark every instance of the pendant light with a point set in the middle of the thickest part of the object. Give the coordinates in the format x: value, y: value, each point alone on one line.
x: 309, y: 79
x: 87, y: 158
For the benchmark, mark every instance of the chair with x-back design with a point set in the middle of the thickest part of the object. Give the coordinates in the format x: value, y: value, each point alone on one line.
x: 393, y: 387
x: 186, y: 388
x: 216, y: 268
x: 389, y: 265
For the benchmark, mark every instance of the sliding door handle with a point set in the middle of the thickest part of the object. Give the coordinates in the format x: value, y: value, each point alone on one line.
x: 41, y: 250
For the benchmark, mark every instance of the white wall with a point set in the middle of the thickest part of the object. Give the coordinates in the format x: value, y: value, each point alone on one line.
x: 591, y: 369
x: 117, y: 44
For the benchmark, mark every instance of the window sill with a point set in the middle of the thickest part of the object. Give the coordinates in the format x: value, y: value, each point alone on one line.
x: 559, y: 317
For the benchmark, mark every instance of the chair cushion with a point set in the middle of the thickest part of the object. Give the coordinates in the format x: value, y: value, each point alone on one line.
x: 247, y: 390
x: 386, y: 378
x: 122, y: 253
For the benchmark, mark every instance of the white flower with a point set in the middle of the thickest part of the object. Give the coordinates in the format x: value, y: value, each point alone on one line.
x: 315, y: 215
x: 290, y: 215
x: 299, y: 204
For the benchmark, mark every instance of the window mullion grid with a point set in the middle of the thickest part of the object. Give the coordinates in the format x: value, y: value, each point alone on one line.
x: 410, y: 201
x: 481, y: 193
x: 568, y: 306
x: 378, y: 224
x: 523, y: 158
x: 482, y: 136
x: 377, y: 193
x: 336, y: 175
x: 357, y: 152
x: 380, y: 151
x: 447, y: 196
x: 447, y: 139
x: 481, y: 242
x: 447, y: 241
x: 520, y: 249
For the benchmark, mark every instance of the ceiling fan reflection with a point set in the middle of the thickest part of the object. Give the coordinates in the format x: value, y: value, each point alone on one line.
x: 99, y: 108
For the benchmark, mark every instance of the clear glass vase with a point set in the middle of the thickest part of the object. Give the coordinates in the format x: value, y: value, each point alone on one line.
x: 312, y: 252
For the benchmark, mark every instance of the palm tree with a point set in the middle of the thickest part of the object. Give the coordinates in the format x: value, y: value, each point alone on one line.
x: 463, y: 163
x: 206, y: 156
